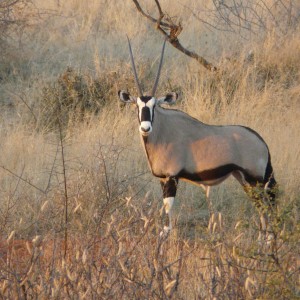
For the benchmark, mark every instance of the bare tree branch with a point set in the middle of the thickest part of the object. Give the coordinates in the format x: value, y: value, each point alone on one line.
x: 22, y: 179
x: 172, y: 36
x: 250, y: 17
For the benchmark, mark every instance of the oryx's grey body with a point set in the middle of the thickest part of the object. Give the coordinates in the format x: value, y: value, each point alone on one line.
x: 181, y: 147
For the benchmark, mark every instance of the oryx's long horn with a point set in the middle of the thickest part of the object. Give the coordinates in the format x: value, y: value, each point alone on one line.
x: 159, y: 69
x: 134, y: 69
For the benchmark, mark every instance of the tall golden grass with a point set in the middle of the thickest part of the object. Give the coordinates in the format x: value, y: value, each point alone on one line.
x: 80, y: 213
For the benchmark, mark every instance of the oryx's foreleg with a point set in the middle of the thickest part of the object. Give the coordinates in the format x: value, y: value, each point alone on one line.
x: 169, y: 187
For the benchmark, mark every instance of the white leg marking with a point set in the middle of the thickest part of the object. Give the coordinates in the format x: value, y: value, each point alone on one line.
x: 168, y: 203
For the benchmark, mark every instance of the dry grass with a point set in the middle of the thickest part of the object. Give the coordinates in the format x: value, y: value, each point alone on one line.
x: 80, y: 212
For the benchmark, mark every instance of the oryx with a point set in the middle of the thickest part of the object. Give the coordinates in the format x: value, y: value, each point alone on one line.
x: 180, y: 147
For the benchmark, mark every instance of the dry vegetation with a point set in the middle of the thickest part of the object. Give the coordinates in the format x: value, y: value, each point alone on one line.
x: 79, y: 211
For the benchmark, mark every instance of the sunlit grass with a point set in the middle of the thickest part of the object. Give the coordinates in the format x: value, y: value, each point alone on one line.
x: 80, y: 213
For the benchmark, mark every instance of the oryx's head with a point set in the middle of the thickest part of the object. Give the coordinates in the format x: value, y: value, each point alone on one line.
x: 146, y: 104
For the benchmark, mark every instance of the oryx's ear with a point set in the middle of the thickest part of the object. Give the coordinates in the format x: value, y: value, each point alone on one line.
x: 170, y: 98
x: 126, y: 97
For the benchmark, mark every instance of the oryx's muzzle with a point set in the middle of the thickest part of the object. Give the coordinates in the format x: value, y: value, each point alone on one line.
x: 145, y: 128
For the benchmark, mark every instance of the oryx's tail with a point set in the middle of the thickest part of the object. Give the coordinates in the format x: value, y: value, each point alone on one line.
x: 270, y: 182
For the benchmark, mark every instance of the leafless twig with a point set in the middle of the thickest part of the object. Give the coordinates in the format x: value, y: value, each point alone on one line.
x: 23, y: 179
x: 172, y: 35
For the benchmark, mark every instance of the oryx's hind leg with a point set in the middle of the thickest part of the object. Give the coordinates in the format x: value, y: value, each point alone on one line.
x: 270, y: 188
x: 263, y: 195
x: 206, y: 189
x: 169, y: 187
x: 265, y: 201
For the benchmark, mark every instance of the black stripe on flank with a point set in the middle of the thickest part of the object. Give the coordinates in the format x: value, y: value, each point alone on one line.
x: 216, y: 173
